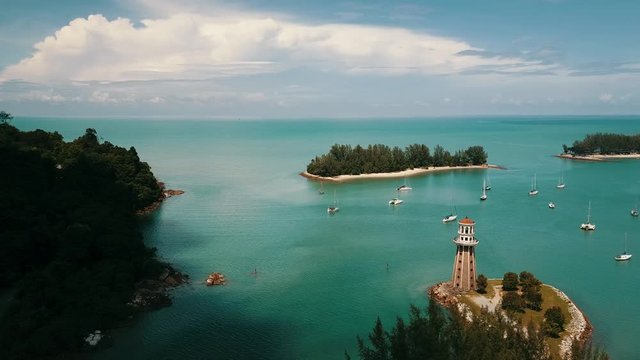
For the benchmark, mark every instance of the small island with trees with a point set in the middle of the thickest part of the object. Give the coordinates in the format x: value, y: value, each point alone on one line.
x: 603, y: 146
x: 74, y: 263
x: 516, y: 317
x: 345, y: 162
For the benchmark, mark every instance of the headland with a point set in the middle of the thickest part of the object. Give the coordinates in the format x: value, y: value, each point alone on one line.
x: 577, y: 328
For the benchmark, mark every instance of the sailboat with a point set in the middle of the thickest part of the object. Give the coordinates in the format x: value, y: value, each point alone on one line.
x: 484, y: 190
x: 321, y: 190
x: 488, y: 185
x: 334, y: 208
x: 624, y: 256
x: 404, y: 187
x: 588, y: 225
x: 453, y: 215
x: 634, y: 211
x: 560, y: 182
x: 534, y: 190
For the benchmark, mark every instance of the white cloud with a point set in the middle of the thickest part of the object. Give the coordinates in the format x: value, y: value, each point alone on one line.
x: 195, y: 46
x: 606, y: 98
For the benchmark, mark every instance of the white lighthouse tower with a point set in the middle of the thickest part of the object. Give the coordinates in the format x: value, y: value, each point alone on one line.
x: 464, y: 264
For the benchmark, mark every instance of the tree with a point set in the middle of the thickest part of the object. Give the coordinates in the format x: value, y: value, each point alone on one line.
x: 481, y: 284
x: 510, y: 281
x: 532, y: 298
x: 380, y: 342
x: 527, y: 279
x: 511, y: 301
x: 439, y: 157
x: 5, y: 117
x: 476, y: 155
x: 439, y: 337
x: 581, y: 350
x: 553, y: 322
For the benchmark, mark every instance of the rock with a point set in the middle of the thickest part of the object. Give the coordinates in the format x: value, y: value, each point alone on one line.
x: 153, y: 294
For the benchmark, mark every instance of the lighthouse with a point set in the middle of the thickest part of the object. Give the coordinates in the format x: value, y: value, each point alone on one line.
x: 463, y: 277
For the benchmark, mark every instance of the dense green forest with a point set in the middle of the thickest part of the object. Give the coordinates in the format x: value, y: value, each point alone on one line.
x: 348, y: 160
x: 604, y: 143
x: 449, y: 335
x: 70, y: 248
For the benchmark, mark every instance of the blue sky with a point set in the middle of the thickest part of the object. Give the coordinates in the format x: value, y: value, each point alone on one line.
x: 297, y: 59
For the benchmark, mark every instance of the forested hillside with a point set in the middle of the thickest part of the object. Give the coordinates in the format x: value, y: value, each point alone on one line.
x: 70, y: 248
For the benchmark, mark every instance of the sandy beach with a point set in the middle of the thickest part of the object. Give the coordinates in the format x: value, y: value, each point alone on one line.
x: 398, y: 174
x: 597, y: 157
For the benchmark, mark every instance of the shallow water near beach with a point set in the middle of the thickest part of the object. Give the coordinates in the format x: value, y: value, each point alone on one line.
x: 321, y: 280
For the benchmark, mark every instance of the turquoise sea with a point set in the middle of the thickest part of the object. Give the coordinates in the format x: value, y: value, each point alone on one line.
x: 321, y: 280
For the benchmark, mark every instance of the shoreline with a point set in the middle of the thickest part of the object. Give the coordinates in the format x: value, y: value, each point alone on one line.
x: 598, y: 157
x: 579, y: 328
x: 398, y: 174
x: 166, y: 193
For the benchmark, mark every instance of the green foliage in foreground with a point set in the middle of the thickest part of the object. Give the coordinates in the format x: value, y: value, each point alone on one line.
x: 70, y: 248
x: 440, y: 335
x: 553, y: 322
x: 604, y: 143
x: 348, y: 160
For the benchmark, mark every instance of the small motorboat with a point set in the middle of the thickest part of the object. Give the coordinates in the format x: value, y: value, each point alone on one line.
x: 552, y: 205
x: 332, y: 209
x: 449, y: 218
x: 395, y: 201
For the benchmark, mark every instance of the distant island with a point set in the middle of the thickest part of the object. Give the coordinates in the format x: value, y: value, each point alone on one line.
x: 603, y: 146
x: 74, y: 263
x: 344, y: 162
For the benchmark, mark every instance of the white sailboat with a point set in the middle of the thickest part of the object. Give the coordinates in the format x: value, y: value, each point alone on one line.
x: 634, y: 211
x: 395, y: 201
x: 624, y: 256
x: 321, y: 190
x: 588, y: 225
x: 453, y: 215
x: 334, y: 208
x: 488, y: 184
x: 484, y: 190
x: 552, y: 205
x: 534, y: 190
x: 404, y: 187
x: 560, y: 182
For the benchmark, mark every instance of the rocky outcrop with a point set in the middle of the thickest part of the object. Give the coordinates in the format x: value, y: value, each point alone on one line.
x: 166, y: 193
x: 444, y: 294
x: 153, y: 294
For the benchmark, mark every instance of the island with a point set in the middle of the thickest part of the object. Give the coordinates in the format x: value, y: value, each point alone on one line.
x: 517, y: 317
x: 526, y: 301
x: 74, y: 263
x: 346, y: 163
x: 602, y: 147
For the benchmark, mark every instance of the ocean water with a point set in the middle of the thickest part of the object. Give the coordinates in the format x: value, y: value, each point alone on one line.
x: 321, y: 280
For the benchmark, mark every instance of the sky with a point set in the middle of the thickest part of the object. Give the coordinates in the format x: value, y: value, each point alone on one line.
x: 316, y: 59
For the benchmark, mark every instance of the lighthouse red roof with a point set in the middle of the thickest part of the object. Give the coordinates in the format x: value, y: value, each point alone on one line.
x: 467, y: 221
